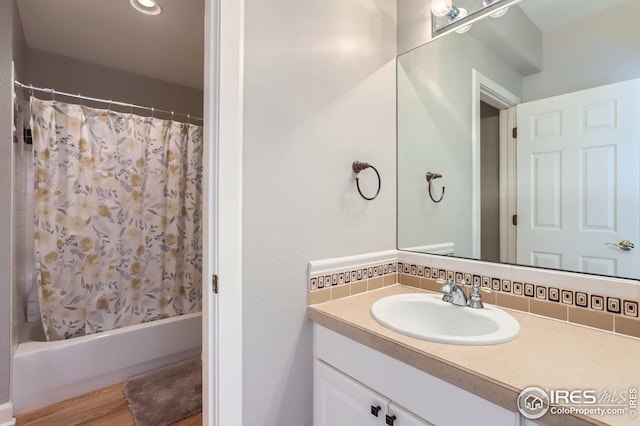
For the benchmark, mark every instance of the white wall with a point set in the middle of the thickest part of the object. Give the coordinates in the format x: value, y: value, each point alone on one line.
x: 414, y: 24
x: 319, y: 93
x: 593, y: 51
x: 434, y: 134
x: 70, y: 75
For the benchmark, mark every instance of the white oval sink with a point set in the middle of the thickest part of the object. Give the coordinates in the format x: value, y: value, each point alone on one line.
x: 427, y: 317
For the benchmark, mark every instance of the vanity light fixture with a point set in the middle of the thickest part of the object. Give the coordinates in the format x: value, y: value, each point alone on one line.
x: 446, y: 8
x: 148, y: 7
x: 499, y: 13
x: 452, y: 15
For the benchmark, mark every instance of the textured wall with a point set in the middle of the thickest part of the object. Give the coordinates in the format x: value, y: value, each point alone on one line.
x: 414, y: 24
x: 319, y: 93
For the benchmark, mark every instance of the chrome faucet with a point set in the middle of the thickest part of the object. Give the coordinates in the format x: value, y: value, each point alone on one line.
x: 453, y: 293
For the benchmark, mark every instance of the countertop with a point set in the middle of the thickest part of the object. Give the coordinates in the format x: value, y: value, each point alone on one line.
x: 548, y: 353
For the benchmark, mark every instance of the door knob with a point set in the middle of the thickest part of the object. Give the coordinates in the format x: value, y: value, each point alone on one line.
x: 624, y: 245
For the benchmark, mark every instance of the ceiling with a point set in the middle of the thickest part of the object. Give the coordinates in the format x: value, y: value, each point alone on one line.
x: 167, y: 47
x: 549, y: 15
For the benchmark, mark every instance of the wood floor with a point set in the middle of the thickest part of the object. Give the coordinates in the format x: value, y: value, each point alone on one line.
x: 106, y: 407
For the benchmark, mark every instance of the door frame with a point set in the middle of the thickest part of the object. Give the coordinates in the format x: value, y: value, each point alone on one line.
x: 486, y: 90
x: 222, y: 227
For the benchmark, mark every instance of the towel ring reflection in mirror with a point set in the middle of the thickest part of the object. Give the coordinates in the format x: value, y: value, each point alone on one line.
x: 359, y: 166
x: 431, y: 176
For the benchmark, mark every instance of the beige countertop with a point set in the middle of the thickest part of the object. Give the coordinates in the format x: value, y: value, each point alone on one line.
x: 548, y: 353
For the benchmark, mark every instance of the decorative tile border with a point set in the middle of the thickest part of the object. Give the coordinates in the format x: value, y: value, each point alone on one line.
x: 352, y: 275
x: 323, y: 288
x: 337, y: 278
x: 604, y: 312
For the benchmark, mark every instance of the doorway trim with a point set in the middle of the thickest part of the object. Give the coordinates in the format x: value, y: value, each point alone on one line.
x: 486, y: 90
x: 222, y: 228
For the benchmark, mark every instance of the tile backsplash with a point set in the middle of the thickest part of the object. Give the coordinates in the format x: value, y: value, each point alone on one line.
x: 613, y: 308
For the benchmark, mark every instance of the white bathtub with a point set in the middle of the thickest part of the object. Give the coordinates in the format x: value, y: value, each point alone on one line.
x: 48, y: 372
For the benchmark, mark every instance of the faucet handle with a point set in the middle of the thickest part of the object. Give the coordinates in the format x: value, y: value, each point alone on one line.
x: 475, y: 301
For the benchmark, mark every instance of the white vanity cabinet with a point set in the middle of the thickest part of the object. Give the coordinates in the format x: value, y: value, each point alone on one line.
x: 350, y: 378
x: 341, y: 401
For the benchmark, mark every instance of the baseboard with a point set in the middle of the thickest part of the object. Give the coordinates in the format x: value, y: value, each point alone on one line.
x: 6, y: 415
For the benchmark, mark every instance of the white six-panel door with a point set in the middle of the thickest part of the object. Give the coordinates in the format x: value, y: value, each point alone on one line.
x: 578, y: 180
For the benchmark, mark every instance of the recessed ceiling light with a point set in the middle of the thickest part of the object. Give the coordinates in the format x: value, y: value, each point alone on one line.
x: 148, y: 7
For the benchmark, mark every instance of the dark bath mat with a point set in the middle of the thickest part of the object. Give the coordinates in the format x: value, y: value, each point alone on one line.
x: 166, y: 395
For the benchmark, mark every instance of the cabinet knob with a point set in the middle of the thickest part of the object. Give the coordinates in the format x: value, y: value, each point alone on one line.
x: 375, y: 410
x: 390, y: 420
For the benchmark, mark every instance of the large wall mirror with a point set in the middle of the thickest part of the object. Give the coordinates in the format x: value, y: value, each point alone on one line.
x: 563, y: 190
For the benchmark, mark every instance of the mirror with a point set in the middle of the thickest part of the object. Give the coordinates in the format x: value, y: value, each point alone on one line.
x: 563, y: 193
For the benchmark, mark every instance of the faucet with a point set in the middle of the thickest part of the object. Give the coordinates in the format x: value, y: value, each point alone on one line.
x: 454, y: 294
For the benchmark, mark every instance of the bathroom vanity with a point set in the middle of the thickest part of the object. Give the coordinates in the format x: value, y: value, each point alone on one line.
x: 367, y: 374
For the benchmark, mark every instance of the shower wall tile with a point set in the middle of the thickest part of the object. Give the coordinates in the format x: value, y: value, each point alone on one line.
x: 20, y: 247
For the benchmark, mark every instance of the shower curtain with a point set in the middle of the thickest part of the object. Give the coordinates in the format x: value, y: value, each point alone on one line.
x: 118, y: 218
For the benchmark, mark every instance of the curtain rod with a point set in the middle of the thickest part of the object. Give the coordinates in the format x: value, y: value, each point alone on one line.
x: 105, y: 101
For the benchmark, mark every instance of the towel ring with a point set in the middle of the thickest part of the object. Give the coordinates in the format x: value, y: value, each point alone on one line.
x: 359, y: 166
x: 430, y: 177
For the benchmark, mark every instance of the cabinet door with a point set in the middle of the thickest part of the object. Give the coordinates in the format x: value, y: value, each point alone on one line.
x: 341, y: 401
x: 404, y: 417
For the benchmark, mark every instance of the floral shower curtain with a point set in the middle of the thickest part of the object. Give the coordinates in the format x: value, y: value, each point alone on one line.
x: 118, y: 218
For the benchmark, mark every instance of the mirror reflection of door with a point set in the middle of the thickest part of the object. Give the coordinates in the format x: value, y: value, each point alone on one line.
x: 489, y: 182
x: 578, y: 180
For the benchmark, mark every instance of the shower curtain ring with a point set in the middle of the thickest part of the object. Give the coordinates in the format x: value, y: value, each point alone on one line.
x: 431, y: 177
x: 359, y: 166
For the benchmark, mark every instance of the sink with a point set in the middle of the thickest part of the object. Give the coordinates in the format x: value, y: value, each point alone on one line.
x: 427, y: 317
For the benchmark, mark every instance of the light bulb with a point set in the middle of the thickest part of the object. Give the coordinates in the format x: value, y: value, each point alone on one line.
x: 440, y: 7
x: 148, y: 7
